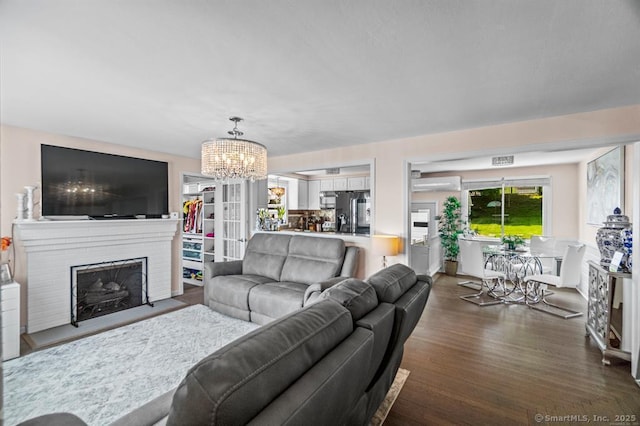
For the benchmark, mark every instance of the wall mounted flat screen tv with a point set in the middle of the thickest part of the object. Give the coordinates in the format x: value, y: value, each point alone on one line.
x: 78, y: 183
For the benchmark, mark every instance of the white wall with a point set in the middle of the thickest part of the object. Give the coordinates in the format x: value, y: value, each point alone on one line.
x: 635, y: 288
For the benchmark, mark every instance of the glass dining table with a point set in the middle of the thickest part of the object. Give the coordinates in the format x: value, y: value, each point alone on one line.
x: 516, y: 265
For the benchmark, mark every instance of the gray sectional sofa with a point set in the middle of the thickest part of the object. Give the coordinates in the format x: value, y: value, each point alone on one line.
x: 329, y: 363
x: 275, y: 276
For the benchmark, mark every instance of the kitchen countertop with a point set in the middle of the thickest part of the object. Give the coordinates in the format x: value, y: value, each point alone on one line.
x: 321, y: 233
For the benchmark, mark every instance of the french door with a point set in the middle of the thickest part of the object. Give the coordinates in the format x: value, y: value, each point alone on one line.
x: 233, y: 227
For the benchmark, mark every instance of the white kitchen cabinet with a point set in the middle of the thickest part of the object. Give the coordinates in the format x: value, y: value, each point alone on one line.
x: 10, y: 321
x: 314, y: 195
x: 355, y: 183
x: 340, y: 184
x: 326, y: 185
x: 303, y: 194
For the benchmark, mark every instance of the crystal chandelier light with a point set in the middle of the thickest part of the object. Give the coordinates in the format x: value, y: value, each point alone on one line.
x: 278, y: 191
x: 233, y: 158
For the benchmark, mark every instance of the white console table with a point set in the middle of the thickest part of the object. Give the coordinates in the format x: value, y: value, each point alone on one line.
x: 10, y: 321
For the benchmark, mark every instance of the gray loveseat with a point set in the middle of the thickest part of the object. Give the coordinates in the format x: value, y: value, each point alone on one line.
x: 330, y: 363
x: 274, y: 277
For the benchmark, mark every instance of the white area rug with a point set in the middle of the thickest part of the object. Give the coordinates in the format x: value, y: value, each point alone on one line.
x: 383, y: 410
x: 102, y: 377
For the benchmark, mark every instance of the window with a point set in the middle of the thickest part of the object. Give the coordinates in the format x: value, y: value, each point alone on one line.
x: 506, y: 206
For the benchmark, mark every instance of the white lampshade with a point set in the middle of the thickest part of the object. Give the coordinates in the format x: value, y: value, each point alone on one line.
x: 385, y: 245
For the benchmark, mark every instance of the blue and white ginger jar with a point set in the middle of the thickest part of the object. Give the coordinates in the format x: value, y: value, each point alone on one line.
x: 615, y: 235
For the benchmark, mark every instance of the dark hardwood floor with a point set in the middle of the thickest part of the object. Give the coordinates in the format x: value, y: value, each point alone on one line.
x: 193, y: 295
x: 504, y: 364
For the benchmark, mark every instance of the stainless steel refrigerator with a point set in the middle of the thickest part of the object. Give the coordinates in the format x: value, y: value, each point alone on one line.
x: 353, y: 212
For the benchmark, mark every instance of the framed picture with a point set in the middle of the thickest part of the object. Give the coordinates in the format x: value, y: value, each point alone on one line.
x: 5, y: 274
x: 605, y: 186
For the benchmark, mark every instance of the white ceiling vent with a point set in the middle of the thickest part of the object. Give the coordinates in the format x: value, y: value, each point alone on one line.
x: 333, y: 171
x: 504, y: 160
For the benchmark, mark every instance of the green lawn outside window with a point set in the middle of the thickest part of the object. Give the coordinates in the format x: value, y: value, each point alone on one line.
x: 523, y: 211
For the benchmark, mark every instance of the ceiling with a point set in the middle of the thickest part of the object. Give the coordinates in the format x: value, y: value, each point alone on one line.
x: 306, y: 75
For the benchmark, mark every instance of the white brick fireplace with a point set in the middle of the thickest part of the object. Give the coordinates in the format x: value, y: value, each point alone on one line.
x: 53, y: 247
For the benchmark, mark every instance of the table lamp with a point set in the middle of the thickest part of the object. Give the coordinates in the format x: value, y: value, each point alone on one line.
x: 384, y: 245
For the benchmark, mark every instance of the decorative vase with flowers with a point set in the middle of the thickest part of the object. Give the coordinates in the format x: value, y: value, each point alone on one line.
x: 5, y: 270
x: 6, y: 242
x: 512, y: 242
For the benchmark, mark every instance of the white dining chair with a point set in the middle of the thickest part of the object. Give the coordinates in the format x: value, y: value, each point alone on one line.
x: 493, y: 281
x: 570, y: 275
x: 539, y: 244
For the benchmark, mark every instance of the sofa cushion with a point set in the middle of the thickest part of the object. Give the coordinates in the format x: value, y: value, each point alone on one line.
x: 356, y: 295
x: 277, y: 299
x: 330, y: 392
x: 390, y: 283
x: 233, y: 290
x: 232, y: 385
x: 311, y: 260
x: 265, y: 255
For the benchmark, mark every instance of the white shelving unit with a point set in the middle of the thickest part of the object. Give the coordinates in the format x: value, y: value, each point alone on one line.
x: 198, y: 230
x: 217, y: 230
x: 208, y: 225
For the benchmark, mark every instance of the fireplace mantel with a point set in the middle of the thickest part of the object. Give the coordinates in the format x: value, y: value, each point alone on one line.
x: 90, y: 233
x: 53, y: 247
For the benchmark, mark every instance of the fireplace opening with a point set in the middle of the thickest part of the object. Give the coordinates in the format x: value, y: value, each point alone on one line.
x: 105, y: 288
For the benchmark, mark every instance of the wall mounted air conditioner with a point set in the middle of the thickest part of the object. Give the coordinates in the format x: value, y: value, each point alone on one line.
x: 448, y: 183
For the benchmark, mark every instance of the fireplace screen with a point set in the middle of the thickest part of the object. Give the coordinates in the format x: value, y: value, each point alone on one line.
x: 104, y: 288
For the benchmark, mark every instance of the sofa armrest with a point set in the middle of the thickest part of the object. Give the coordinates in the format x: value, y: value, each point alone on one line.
x: 350, y: 264
x: 425, y: 278
x: 312, y: 292
x: 214, y: 269
x: 55, y: 419
x: 153, y: 412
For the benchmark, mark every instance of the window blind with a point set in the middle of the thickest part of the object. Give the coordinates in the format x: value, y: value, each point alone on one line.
x: 513, y: 181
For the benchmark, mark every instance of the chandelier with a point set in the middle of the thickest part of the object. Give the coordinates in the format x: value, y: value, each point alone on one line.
x: 231, y: 158
x: 278, y: 191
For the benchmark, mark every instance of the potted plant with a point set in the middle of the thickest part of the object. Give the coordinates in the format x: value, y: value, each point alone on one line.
x: 512, y: 241
x: 449, y: 230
